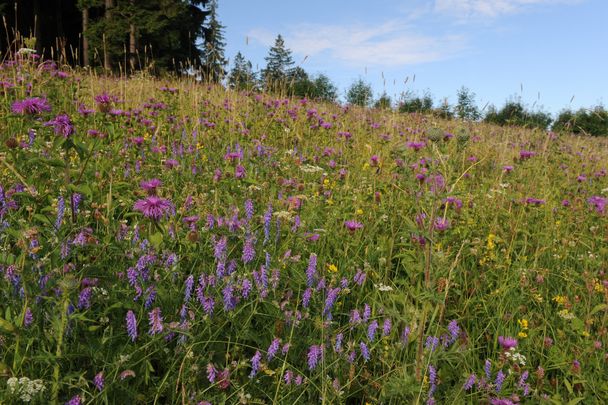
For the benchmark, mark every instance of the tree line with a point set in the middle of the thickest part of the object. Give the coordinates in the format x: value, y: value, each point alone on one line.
x: 186, y: 37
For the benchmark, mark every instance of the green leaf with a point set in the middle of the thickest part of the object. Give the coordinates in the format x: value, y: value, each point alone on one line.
x: 598, y: 308
x: 156, y: 239
x: 568, y: 386
x: 575, y: 400
x: 578, y: 325
x: 6, y: 326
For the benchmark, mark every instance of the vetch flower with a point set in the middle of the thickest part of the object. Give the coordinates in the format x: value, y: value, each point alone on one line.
x: 470, y: 382
x: 156, y: 321
x: 131, y: 325
x: 364, y: 352
x: 255, y: 363
x: 99, y: 380
x: 314, y: 354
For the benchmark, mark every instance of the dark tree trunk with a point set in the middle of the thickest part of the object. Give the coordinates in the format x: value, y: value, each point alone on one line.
x: 132, y: 43
x: 85, y: 40
x: 107, y: 62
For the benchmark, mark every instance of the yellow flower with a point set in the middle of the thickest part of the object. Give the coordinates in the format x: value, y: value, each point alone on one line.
x: 598, y: 287
x: 359, y: 211
x: 491, y: 245
x: 332, y: 268
x: 330, y: 202
x: 523, y: 323
x: 522, y: 335
x: 326, y: 182
x: 366, y: 166
x: 560, y: 299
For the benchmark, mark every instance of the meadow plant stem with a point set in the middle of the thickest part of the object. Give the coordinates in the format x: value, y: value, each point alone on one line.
x: 58, y: 351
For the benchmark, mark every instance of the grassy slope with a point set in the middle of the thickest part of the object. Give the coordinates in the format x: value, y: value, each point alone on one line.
x: 503, y: 267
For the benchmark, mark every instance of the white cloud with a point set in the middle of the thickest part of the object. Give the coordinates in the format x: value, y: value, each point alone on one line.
x: 491, y: 8
x: 392, y: 44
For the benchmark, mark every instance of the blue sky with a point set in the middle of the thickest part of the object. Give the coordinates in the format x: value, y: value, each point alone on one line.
x: 544, y: 51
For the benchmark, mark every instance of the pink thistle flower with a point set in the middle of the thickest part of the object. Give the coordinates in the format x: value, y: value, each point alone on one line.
x: 154, y: 207
x: 31, y: 106
x: 353, y: 225
x: 150, y: 186
x: 507, y: 342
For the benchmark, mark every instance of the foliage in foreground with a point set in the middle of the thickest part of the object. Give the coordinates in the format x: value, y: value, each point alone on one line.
x: 179, y: 243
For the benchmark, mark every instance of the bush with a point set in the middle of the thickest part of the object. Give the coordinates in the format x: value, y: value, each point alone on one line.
x: 592, y: 121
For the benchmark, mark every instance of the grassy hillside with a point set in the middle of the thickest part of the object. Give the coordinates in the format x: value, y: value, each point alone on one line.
x: 173, y: 242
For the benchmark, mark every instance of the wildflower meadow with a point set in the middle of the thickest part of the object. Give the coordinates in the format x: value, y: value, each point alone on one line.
x: 166, y: 241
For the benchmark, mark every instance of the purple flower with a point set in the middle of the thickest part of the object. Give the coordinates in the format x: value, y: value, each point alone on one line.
x: 314, y: 354
x: 353, y: 225
x: 306, y: 297
x: 507, y: 342
x: 364, y: 351
x: 416, y: 146
x: 405, y: 335
x: 441, y: 224
x: 239, y: 172
x: 431, y: 343
x: 526, y: 154
x: 75, y: 400
x: 454, y: 330
x: 249, y: 210
x: 62, y: 125
x: 598, y: 202
x: 98, y: 380
x: 367, y: 312
x: 28, y: 318
x: 31, y: 106
x: 273, y: 348
x: 255, y: 364
x: 189, y: 284
x: 470, y: 382
x: 338, y: 345
x: 311, y: 270
x: 211, y: 373
x: 248, y: 250
x: 150, y: 186
x: 534, y: 201
x: 156, y: 321
x: 267, y: 218
x: 371, y: 330
x: 154, y: 207
x: 432, y: 380
x: 60, y: 211
x: 507, y: 169
x: 131, y: 325
x: 500, y: 378
x: 386, y: 327
x: 332, y: 295
x: 229, y: 298
x: 487, y: 368
x: 84, y: 299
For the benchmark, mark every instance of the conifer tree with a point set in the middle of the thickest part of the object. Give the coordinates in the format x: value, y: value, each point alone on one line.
x: 278, y: 64
x: 214, y: 60
x: 241, y: 76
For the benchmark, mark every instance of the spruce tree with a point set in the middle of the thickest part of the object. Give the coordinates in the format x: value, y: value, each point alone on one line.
x: 241, y: 76
x: 213, y: 51
x: 278, y: 64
